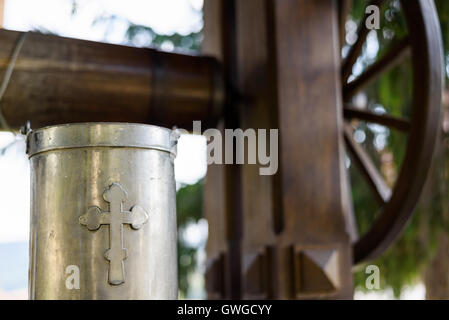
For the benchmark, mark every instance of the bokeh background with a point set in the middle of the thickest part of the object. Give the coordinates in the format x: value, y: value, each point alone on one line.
x: 415, y: 268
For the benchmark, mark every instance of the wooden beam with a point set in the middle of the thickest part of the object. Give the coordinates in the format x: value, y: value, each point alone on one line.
x: 62, y: 80
x: 256, y: 73
x: 222, y: 195
x: 279, y: 63
x: 313, y: 179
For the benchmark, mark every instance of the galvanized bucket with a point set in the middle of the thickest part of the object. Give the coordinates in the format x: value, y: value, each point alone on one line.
x: 103, y: 212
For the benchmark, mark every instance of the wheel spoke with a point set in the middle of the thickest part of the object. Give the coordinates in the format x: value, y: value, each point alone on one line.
x: 391, y: 59
x: 350, y: 112
x: 356, y: 49
x: 376, y: 182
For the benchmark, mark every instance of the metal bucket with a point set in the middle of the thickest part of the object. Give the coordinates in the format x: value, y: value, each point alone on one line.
x: 103, y: 212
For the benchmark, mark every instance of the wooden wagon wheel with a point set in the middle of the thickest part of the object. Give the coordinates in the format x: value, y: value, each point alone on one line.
x: 424, y: 44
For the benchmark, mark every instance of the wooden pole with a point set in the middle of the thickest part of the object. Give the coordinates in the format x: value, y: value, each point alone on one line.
x: 60, y: 80
x: 315, y: 249
x: 222, y: 206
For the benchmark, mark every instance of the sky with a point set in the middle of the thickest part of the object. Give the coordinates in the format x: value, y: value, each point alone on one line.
x: 165, y: 16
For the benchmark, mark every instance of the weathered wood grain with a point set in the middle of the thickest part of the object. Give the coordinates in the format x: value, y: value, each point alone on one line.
x: 62, y: 80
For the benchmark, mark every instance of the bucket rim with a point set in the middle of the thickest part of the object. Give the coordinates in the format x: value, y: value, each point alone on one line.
x: 101, y: 123
x: 101, y: 134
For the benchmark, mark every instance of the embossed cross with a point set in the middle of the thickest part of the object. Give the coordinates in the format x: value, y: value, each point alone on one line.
x: 115, y: 218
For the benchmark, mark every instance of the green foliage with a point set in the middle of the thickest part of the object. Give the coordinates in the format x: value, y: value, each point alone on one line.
x: 189, y: 201
x: 141, y: 35
x: 191, y: 41
x: 443, y: 12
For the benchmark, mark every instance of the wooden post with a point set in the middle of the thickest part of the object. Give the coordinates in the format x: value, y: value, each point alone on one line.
x: 315, y: 247
x: 292, y: 228
x: 222, y: 206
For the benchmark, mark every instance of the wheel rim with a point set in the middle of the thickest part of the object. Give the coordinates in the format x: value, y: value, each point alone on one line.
x: 424, y: 44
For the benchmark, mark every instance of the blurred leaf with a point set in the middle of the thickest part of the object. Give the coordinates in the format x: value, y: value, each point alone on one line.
x: 189, y: 201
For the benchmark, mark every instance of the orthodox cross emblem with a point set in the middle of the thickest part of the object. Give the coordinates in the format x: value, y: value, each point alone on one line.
x: 116, y: 217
